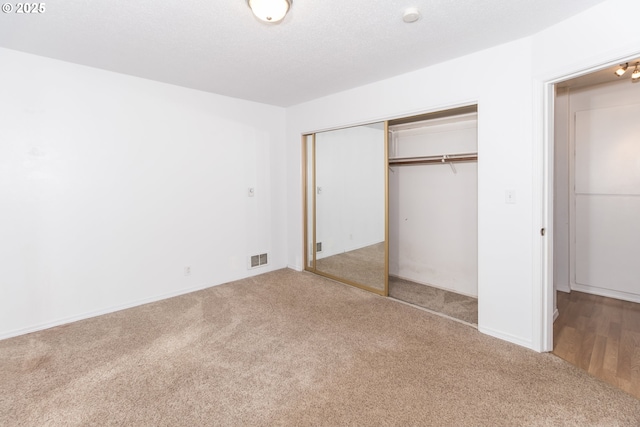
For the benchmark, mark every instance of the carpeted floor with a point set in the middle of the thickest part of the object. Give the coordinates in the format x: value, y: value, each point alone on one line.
x: 289, y: 348
x: 451, y: 304
x: 364, y: 266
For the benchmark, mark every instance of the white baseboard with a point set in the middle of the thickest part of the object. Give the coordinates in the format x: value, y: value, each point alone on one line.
x: 90, y: 314
x: 507, y: 337
x: 114, y: 308
x: 594, y: 290
x: 556, y: 313
x: 294, y: 267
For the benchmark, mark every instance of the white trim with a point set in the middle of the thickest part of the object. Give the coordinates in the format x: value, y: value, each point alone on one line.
x: 543, y: 187
x: 542, y: 215
x: 294, y: 267
x: 112, y: 309
x: 506, y: 337
x: 562, y: 287
x: 556, y: 313
x: 610, y: 293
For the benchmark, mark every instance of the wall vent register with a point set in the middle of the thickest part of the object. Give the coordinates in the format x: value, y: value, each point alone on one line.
x: 258, y: 260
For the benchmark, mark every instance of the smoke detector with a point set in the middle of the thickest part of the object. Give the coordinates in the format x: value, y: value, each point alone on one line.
x: 410, y: 15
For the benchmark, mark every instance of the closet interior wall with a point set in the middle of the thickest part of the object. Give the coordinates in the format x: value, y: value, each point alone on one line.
x: 433, y: 227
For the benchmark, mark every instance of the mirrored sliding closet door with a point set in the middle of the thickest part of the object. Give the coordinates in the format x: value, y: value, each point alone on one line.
x: 346, y: 205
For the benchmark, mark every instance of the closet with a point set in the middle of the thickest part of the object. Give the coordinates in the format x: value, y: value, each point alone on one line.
x: 391, y: 207
x: 433, y: 209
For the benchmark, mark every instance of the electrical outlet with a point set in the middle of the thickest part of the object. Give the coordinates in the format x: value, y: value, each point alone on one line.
x: 187, y: 271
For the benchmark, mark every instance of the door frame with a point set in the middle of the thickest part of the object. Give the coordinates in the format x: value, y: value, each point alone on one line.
x: 543, y: 192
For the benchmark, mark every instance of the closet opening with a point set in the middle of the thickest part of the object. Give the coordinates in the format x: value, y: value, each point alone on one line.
x: 433, y: 212
x: 392, y: 207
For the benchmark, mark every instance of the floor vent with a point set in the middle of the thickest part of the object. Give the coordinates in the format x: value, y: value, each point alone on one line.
x: 319, y: 247
x: 258, y: 260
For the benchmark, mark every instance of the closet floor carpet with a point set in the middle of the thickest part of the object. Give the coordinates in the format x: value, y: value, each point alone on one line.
x: 454, y: 305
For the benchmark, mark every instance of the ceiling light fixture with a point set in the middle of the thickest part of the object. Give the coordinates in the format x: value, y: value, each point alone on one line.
x: 635, y: 76
x: 622, y: 69
x: 270, y: 10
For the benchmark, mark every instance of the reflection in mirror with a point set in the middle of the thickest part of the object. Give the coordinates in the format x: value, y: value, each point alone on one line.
x: 350, y: 202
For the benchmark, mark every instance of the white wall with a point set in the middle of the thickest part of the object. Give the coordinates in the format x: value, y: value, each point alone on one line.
x: 504, y: 144
x: 110, y: 185
x: 351, y: 205
x: 81, y: 220
x: 603, y: 134
x: 433, y: 221
x: 511, y: 288
x: 602, y: 35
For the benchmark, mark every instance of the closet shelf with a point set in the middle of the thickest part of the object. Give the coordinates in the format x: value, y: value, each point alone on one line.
x: 439, y: 159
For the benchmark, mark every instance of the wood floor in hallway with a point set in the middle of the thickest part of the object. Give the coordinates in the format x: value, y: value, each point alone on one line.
x: 600, y: 335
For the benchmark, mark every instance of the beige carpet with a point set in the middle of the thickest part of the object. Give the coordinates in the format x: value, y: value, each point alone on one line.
x: 364, y: 266
x: 289, y: 348
x: 451, y: 304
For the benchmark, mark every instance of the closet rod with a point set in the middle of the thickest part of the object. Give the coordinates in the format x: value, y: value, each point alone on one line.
x: 467, y: 157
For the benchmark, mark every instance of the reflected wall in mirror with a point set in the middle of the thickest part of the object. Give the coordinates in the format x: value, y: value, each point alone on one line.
x: 346, y: 205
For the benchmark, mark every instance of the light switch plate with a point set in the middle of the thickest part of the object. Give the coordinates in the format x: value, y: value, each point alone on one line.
x: 510, y: 197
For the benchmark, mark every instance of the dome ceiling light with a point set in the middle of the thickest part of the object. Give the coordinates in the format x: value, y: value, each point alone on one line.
x: 270, y: 10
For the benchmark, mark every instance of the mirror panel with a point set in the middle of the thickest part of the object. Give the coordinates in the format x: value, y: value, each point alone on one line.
x: 350, y: 205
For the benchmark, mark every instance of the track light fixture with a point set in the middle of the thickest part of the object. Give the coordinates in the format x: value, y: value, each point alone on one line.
x: 270, y: 10
x: 635, y: 76
x: 622, y: 69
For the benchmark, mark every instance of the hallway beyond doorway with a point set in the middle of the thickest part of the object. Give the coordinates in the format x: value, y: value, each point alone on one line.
x: 600, y: 335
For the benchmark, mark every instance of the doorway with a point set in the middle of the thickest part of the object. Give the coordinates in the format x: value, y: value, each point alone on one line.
x: 596, y: 236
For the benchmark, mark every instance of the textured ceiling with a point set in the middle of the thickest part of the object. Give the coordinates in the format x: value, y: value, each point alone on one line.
x: 321, y: 47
